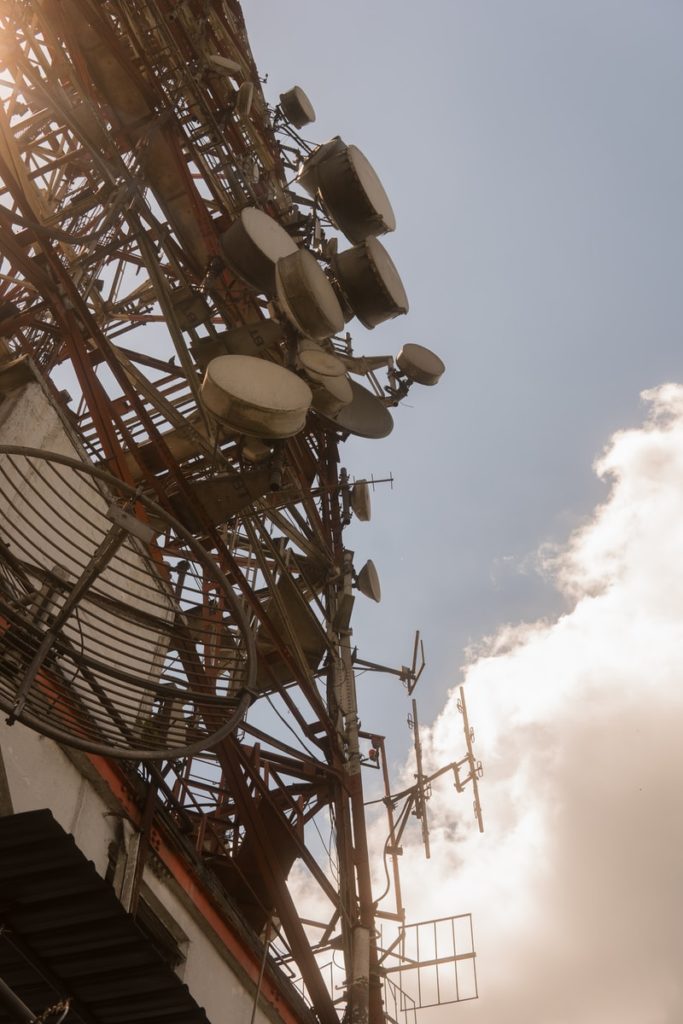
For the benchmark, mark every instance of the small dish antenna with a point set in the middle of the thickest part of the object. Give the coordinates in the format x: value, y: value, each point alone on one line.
x: 420, y: 364
x: 360, y: 501
x: 367, y: 582
x: 326, y: 374
x: 296, y: 107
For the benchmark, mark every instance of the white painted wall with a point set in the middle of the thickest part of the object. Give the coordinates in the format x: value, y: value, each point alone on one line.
x: 41, y: 775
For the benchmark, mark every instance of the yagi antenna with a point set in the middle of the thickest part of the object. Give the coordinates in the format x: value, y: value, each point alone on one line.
x: 475, y: 769
x: 423, y: 788
x: 409, y: 676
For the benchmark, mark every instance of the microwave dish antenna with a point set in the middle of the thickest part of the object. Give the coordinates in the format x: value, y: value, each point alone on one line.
x: 252, y: 246
x: 420, y: 364
x: 108, y: 641
x: 255, y: 397
x: 371, y: 283
x: 326, y: 374
x: 365, y: 416
x: 368, y: 583
x: 349, y: 189
x: 296, y: 107
x: 361, y: 502
x: 306, y: 297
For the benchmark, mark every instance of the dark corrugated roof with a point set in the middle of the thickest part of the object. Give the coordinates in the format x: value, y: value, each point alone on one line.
x: 64, y: 933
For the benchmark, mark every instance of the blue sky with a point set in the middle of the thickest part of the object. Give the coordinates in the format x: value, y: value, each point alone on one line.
x: 532, y: 151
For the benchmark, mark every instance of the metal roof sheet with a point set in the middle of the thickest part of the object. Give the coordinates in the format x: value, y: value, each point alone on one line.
x: 64, y: 933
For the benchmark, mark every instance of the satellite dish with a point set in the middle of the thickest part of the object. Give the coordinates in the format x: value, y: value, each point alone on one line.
x: 360, y: 501
x: 365, y: 416
x: 253, y: 244
x: 256, y: 397
x: 332, y: 389
x: 350, y: 190
x: 420, y: 364
x: 107, y: 643
x: 370, y: 282
x: 307, y: 298
x: 297, y: 107
x: 367, y: 582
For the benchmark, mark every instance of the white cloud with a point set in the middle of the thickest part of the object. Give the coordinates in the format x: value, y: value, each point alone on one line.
x: 576, y: 885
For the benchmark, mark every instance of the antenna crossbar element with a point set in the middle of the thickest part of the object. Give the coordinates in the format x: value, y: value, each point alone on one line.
x: 409, y: 675
x: 475, y: 767
x: 422, y: 784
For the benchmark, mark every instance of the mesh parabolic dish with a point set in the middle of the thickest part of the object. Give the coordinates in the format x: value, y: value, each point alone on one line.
x: 112, y: 639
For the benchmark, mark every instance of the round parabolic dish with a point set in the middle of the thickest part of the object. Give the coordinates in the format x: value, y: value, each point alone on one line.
x: 369, y: 181
x: 253, y: 244
x: 371, y: 283
x: 365, y: 416
x: 353, y: 195
x: 256, y: 397
x: 307, y: 176
x: 307, y: 298
x: 420, y: 364
x: 108, y: 668
x: 297, y: 107
x: 332, y: 388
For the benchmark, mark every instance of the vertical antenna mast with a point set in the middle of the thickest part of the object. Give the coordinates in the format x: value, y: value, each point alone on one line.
x: 422, y: 785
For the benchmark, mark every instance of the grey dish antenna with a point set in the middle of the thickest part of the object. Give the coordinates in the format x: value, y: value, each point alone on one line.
x: 370, y: 282
x: 296, y: 107
x: 306, y: 297
x: 365, y: 416
x: 360, y: 501
x: 252, y: 246
x: 349, y: 189
x: 420, y: 364
x: 367, y: 582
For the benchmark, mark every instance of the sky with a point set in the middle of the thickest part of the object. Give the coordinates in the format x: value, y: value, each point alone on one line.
x: 533, y: 155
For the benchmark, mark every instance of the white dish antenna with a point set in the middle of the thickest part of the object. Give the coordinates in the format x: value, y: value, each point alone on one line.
x: 256, y: 397
x: 306, y: 297
x: 370, y: 282
x: 252, y: 246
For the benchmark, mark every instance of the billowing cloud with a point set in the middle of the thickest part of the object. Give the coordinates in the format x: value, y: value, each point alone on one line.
x: 576, y: 886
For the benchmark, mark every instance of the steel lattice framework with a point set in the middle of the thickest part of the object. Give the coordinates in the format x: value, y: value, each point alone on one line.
x: 124, y: 155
